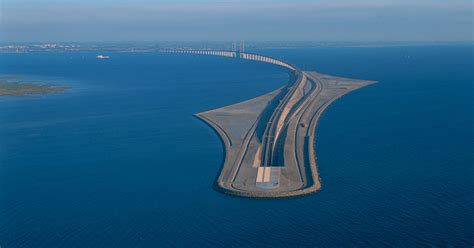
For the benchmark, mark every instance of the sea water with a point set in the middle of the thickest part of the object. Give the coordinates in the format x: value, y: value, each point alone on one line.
x: 119, y: 159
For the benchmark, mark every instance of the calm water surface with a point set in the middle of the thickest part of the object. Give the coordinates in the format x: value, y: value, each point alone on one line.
x: 119, y: 160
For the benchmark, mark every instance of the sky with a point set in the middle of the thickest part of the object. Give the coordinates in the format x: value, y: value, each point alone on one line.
x: 252, y: 20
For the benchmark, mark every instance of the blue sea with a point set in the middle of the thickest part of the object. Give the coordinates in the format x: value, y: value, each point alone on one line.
x: 120, y: 161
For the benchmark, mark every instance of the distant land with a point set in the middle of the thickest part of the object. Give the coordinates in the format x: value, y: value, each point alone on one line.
x: 13, y: 87
x: 22, y: 47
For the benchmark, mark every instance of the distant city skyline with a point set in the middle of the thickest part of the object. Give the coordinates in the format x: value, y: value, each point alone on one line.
x: 260, y: 20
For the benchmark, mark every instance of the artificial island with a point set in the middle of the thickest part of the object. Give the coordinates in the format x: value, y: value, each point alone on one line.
x: 269, y: 140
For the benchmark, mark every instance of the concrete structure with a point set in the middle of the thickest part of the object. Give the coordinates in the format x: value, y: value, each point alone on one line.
x: 269, y: 140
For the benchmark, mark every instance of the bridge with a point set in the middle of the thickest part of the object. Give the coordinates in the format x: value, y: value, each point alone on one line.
x: 234, y: 54
x: 269, y: 140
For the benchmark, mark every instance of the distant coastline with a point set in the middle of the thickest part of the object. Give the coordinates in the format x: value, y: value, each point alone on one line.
x: 139, y: 47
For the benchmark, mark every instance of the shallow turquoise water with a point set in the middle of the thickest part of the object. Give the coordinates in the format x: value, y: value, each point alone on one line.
x: 120, y: 161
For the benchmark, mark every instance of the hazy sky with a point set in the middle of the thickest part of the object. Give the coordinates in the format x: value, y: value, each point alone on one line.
x: 259, y: 20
